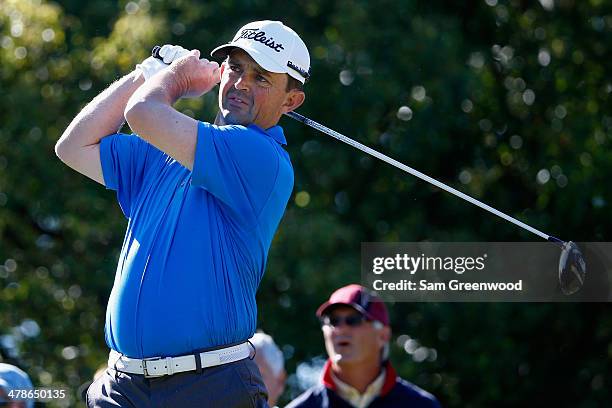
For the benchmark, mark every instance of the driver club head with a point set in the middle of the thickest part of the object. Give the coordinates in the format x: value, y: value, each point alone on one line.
x: 572, y: 268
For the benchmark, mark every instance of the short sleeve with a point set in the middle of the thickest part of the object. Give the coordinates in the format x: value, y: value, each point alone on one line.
x: 125, y: 161
x: 237, y: 165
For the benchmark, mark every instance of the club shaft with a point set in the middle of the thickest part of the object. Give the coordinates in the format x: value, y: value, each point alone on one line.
x: 401, y: 166
x: 416, y: 173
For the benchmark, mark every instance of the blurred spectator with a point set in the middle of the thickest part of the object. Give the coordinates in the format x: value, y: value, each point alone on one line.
x: 271, y: 364
x: 356, y: 330
x: 16, y: 380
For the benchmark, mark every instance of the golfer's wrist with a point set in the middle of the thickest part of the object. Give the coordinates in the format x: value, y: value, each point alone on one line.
x: 166, y: 87
x: 176, y: 84
x: 138, y: 75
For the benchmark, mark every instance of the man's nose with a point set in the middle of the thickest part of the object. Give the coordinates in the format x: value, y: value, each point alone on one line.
x: 243, y: 83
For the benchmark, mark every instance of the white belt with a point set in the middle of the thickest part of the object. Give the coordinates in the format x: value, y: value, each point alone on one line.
x: 160, y: 366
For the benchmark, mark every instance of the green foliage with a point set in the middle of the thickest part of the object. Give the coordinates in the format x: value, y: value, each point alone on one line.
x: 508, y: 101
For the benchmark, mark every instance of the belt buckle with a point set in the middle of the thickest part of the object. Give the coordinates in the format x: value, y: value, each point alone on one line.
x: 144, y: 367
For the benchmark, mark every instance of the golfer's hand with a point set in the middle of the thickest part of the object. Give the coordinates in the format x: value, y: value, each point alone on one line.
x: 169, y: 53
x: 194, y: 76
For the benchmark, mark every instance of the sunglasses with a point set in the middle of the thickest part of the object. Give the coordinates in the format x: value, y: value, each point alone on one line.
x: 353, y: 320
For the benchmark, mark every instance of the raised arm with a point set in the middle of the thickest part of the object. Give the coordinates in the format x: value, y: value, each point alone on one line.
x: 150, y: 114
x: 79, y: 145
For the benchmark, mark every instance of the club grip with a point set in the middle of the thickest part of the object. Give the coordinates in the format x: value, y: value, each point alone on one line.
x: 155, y: 52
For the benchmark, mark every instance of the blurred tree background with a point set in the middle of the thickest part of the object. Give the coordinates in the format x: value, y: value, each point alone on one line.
x: 507, y: 100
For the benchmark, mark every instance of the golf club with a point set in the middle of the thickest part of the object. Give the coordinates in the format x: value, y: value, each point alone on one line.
x: 572, y: 267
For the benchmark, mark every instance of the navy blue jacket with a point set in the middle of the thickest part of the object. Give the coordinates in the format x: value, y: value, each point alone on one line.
x: 395, y: 392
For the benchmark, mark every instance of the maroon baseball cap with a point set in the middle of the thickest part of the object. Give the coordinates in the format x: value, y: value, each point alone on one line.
x: 360, y: 299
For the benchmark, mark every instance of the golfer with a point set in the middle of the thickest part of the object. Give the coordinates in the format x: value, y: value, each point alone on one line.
x: 203, y: 202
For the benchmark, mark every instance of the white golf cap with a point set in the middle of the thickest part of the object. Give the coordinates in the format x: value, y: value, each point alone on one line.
x: 274, y: 46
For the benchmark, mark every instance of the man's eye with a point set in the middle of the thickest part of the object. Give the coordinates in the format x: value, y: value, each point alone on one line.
x: 234, y: 67
x: 260, y: 78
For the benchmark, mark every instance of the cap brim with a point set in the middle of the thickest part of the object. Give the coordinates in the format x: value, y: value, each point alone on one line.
x: 222, y: 51
x: 325, y: 306
x: 266, y: 63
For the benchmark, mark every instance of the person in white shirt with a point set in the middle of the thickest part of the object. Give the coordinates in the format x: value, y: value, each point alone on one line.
x: 271, y: 363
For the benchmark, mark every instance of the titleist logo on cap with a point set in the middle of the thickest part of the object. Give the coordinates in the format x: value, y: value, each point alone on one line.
x: 260, y: 36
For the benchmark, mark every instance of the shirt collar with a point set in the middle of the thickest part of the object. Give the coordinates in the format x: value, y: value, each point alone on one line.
x: 352, y: 395
x: 275, y: 132
x: 388, y: 384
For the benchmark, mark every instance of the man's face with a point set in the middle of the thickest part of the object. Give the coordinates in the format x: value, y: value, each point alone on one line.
x: 353, y: 345
x: 250, y: 94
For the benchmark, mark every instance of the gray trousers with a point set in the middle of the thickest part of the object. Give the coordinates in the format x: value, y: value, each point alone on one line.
x: 233, y: 385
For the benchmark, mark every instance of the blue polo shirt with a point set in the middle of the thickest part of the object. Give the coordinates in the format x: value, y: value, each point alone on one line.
x: 196, y: 243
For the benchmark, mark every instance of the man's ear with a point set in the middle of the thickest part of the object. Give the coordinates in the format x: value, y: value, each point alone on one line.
x: 385, y: 334
x: 294, y: 99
